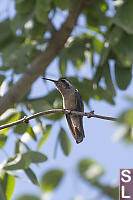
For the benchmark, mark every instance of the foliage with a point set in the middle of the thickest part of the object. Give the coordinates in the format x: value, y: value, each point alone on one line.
x: 22, y: 39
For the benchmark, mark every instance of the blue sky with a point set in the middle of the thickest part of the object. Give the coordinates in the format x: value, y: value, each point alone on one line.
x: 97, y: 145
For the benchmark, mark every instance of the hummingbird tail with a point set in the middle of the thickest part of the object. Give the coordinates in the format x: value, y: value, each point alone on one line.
x: 79, y: 135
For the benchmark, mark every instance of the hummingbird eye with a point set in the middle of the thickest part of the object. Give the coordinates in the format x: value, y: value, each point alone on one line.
x: 63, y: 81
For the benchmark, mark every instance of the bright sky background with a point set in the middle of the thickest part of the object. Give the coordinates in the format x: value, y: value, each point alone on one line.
x: 99, y: 143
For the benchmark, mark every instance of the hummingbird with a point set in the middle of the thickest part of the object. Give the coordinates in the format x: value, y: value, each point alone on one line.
x: 71, y: 101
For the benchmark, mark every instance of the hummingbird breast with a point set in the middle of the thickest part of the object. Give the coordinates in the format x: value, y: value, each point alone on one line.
x: 69, y: 101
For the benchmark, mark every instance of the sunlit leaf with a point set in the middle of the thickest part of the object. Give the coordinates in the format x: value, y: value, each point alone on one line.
x: 30, y: 131
x: 3, y: 139
x: 90, y: 170
x: 8, y: 117
x: 45, y: 136
x: 8, y: 183
x: 127, y: 117
x: 51, y: 179
x: 28, y: 197
x: 22, y: 161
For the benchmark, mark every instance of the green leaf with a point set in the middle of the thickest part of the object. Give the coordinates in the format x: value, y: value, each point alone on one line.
x: 124, y: 50
x: 63, y: 4
x: 127, y: 118
x: 2, y: 194
x: 8, y: 183
x: 45, y: 136
x: 97, y: 45
x: 127, y: 136
x: 51, y: 179
x: 108, y: 79
x: 90, y: 170
x: 20, y: 128
x: 31, y: 176
x: 88, y: 89
x: 123, y: 76
x: 45, y: 5
x: 64, y: 142
x: 110, y: 191
x: 76, y: 50
x: 22, y: 161
x: 101, y: 93
x: 113, y: 37
x: 124, y: 16
x: 4, y: 68
x: 23, y: 6
x: 3, y: 139
x: 37, y: 31
x: 96, y: 16
x: 19, y: 21
x: 10, y: 116
x: 63, y: 63
x: 17, y: 147
x: 37, y: 157
x: 24, y: 51
x: 2, y: 78
x: 42, y: 10
x: 6, y: 35
x: 31, y: 133
x: 28, y: 197
x: 51, y: 101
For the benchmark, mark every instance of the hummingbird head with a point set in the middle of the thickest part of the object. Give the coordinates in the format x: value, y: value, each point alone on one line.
x: 62, y: 84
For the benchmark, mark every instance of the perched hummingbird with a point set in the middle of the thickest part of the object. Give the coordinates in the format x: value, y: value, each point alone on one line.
x: 71, y: 101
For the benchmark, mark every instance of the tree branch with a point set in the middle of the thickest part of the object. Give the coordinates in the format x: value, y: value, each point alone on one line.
x: 64, y: 111
x: 41, y: 62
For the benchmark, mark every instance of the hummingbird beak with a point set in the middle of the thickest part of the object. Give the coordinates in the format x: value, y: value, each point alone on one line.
x: 48, y: 79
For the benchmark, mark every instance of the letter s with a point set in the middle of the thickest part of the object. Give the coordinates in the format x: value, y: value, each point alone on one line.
x: 125, y: 174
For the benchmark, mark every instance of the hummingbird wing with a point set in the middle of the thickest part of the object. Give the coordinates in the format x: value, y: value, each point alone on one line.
x: 75, y: 122
x: 80, y: 108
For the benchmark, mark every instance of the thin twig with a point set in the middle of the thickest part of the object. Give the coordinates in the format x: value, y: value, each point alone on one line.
x: 64, y: 111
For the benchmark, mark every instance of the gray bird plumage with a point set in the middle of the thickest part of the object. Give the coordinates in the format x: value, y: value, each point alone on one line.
x: 71, y: 101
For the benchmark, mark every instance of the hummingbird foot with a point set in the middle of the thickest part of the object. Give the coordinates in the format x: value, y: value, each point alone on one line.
x: 90, y: 114
x: 67, y: 111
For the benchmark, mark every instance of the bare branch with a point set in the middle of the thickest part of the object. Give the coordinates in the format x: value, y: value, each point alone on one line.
x: 64, y: 111
x: 51, y: 27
